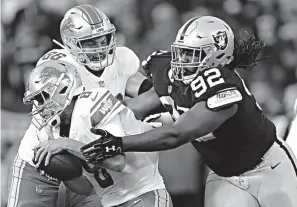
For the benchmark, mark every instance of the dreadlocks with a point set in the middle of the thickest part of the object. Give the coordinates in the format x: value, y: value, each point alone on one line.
x: 246, y: 51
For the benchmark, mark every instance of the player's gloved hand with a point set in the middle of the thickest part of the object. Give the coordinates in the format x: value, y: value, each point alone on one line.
x: 105, y: 147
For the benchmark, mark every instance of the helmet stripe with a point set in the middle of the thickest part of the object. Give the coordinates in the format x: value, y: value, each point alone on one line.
x: 85, y: 13
x: 93, y: 16
x: 98, y: 17
x: 186, y: 27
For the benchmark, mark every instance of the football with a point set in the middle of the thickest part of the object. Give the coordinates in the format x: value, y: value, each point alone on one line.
x: 63, y: 166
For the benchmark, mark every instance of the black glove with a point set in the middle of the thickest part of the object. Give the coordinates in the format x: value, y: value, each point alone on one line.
x: 105, y: 147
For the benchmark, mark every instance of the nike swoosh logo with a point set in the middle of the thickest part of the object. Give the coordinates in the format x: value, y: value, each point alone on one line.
x: 274, y: 166
x: 93, y: 99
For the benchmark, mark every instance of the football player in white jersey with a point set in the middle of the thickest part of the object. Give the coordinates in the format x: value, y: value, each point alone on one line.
x: 131, y: 179
x: 90, y: 45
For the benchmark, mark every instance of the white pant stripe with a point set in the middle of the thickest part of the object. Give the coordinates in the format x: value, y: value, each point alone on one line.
x: 161, y: 198
x: 17, y: 170
x: 11, y: 198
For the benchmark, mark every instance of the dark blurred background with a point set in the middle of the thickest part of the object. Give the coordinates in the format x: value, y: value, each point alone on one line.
x: 28, y: 27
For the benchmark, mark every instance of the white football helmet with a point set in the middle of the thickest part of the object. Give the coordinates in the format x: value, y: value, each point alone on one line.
x: 50, y: 88
x: 210, y: 42
x: 81, y: 28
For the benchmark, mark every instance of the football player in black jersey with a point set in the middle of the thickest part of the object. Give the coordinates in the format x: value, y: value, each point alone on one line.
x: 213, y: 109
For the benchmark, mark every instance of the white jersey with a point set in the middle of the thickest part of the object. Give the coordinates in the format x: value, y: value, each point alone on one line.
x: 114, y: 78
x: 98, y: 108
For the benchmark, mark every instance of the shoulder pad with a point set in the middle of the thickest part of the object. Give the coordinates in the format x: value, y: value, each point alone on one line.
x: 158, y: 60
x: 129, y: 60
x: 58, y: 54
x: 223, y: 99
x: 156, y: 53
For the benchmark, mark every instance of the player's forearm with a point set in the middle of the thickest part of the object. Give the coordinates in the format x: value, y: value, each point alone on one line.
x: 163, y: 138
x: 73, y: 147
x: 80, y: 185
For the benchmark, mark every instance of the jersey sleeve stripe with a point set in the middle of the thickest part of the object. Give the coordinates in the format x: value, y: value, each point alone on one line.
x: 116, y: 109
x: 105, y: 109
x: 99, y: 100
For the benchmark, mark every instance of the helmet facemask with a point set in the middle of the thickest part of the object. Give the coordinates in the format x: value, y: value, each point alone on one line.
x: 211, y: 42
x: 50, y: 101
x: 81, y: 27
x: 187, y: 62
x: 96, y: 52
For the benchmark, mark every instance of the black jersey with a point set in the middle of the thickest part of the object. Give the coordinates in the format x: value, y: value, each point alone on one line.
x: 240, y: 142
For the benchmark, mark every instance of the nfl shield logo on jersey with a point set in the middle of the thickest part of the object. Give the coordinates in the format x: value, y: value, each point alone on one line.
x: 169, y: 88
x: 101, y: 84
x: 39, y: 189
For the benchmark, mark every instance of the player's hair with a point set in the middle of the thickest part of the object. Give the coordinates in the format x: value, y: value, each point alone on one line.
x: 246, y: 51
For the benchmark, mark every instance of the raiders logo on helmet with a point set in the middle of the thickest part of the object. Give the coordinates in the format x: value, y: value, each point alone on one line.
x: 221, y: 40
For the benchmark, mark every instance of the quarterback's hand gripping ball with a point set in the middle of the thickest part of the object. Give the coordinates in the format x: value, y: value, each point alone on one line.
x: 105, y: 147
